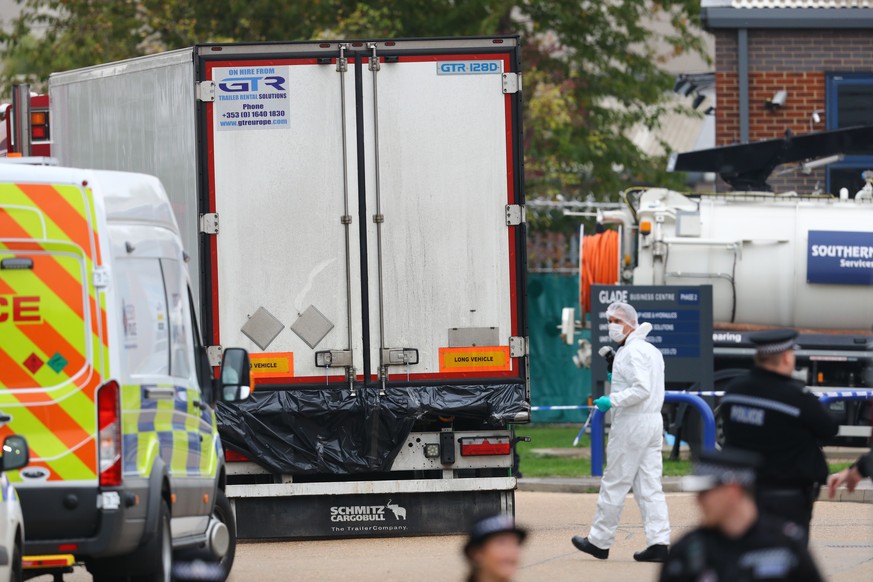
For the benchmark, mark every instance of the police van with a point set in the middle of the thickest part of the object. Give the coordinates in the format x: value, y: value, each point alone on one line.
x: 103, y: 371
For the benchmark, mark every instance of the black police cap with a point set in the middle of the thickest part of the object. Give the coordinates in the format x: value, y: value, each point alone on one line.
x: 490, y: 526
x: 774, y: 341
x: 714, y: 468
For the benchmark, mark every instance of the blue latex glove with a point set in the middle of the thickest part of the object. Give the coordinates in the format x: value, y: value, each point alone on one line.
x: 609, y: 377
x: 603, y: 404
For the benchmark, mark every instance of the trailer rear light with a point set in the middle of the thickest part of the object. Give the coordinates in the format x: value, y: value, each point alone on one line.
x: 234, y: 457
x: 39, y: 125
x: 109, y: 426
x: 481, y: 446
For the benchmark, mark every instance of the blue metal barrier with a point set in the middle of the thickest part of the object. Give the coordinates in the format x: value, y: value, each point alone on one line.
x: 706, y: 415
x: 670, y: 397
x: 828, y: 397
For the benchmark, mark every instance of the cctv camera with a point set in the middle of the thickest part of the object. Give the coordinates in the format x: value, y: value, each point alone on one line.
x: 816, y: 118
x: 778, y: 99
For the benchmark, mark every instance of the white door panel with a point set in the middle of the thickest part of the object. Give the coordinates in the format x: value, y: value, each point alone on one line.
x: 279, y: 196
x: 443, y: 177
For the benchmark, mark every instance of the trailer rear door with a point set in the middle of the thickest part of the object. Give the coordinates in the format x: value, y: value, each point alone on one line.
x: 367, y: 198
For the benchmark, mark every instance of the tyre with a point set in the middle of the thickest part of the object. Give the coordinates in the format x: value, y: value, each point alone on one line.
x: 199, y: 564
x: 16, y: 571
x: 151, y: 562
x: 719, y: 429
x: 154, y: 561
x: 223, y: 512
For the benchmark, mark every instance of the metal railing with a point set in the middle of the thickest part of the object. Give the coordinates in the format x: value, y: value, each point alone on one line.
x: 706, y: 415
x: 670, y: 397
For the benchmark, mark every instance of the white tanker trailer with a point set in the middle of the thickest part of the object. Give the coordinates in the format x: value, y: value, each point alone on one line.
x: 773, y: 260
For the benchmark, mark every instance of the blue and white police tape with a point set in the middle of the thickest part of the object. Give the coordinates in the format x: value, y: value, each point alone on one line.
x: 584, y: 426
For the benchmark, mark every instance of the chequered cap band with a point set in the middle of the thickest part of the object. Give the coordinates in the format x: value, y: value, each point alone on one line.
x: 721, y: 474
x: 776, y: 348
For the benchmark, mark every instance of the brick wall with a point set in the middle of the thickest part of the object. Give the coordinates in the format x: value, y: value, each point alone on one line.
x: 795, y: 60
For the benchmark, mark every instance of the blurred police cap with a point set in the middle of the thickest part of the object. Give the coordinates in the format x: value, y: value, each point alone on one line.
x: 491, y: 526
x: 715, y: 468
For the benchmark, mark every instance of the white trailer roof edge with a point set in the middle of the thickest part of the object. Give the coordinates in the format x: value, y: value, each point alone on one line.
x: 484, y: 42
x: 133, y: 65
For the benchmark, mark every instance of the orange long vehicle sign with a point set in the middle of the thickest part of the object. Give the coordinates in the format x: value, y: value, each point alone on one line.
x: 475, y: 359
x: 272, y: 365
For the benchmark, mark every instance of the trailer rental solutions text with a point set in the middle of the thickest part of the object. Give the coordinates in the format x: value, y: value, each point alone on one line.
x: 252, y: 98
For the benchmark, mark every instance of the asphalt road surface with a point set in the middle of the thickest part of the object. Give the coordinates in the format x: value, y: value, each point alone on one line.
x: 842, y: 543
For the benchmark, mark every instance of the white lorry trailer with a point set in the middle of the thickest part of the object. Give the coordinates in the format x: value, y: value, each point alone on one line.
x: 773, y: 260
x: 359, y: 215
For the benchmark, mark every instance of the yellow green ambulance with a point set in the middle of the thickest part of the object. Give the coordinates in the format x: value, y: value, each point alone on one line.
x: 103, y: 371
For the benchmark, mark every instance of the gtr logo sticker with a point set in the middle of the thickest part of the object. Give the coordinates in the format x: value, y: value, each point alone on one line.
x: 250, y: 83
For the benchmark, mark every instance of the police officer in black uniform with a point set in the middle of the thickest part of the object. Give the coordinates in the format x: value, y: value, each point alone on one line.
x: 768, y: 412
x: 735, y: 542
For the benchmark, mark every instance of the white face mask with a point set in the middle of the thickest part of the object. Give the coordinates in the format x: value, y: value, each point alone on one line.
x: 616, y: 332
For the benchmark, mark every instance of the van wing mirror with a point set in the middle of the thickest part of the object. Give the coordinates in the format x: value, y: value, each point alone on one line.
x: 15, y: 453
x: 235, y: 375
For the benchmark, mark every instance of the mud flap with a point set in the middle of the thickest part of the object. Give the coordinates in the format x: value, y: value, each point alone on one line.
x: 371, y: 515
x: 156, y: 479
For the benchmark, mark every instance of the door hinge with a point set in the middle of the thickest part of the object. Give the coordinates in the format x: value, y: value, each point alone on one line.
x: 209, y: 223
x: 511, y: 82
x: 515, y: 214
x: 517, y: 347
x: 101, y: 277
x: 206, y: 91
x: 214, y: 355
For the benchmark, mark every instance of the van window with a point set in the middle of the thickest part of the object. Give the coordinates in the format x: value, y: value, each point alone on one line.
x: 180, y: 320
x: 144, y: 316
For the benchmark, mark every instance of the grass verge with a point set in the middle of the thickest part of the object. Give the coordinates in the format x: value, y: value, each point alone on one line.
x: 560, y: 436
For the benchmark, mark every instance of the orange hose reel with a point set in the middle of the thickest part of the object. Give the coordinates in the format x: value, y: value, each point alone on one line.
x: 598, y: 264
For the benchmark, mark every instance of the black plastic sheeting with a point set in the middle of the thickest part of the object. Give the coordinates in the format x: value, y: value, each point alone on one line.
x: 309, y: 431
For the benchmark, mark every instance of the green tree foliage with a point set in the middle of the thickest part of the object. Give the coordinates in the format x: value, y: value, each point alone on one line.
x: 590, y: 66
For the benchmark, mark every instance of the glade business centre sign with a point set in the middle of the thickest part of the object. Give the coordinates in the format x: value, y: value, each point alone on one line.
x: 681, y: 318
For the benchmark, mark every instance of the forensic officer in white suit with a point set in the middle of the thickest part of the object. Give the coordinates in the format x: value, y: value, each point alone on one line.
x: 634, y: 451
